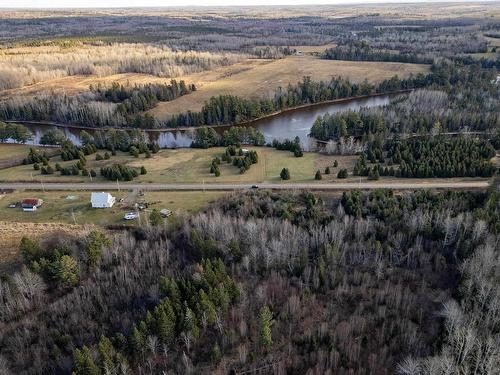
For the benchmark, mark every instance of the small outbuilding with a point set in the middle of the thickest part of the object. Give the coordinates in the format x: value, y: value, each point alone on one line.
x: 102, y: 200
x: 31, y: 204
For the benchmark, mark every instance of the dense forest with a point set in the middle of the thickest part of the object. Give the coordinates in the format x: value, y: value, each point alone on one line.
x: 427, y: 157
x: 361, y: 51
x: 367, y: 283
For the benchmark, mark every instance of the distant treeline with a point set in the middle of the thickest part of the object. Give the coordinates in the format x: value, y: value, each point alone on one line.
x: 361, y: 51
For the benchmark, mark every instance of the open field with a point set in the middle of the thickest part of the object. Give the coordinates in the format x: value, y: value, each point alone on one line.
x: 192, y: 166
x: 264, y: 76
x: 13, y: 154
x: 74, y: 207
x: 493, y: 42
x: 74, y: 216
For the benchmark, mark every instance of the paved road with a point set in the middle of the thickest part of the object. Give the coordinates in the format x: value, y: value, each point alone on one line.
x: 226, y: 187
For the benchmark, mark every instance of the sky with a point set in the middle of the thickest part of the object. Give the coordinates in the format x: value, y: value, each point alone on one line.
x: 157, y: 3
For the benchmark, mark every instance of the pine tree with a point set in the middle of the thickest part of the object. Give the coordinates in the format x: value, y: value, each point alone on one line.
x: 318, y: 176
x: 265, y: 316
x: 107, y: 354
x: 327, y: 170
x: 285, y: 174
x: 84, y: 363
x: 155, y: 218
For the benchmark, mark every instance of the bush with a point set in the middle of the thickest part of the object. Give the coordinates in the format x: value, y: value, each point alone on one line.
x: 327, y: 170
x: 36, y: 167
x: 342, y: 173
x: 318, y: 176
x: 285, y: 174
x: 143, y: 170
x: 98, y: 157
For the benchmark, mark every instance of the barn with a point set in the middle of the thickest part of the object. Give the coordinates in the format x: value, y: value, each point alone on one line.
x: 102, y: 200
x: 31, y: 204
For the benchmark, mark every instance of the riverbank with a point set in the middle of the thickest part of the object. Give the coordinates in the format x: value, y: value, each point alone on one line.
x: 193, y: 128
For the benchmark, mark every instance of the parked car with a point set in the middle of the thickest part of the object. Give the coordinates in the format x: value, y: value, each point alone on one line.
x: 165, y: 213
x: 131, y: 216
x: 255, y: 187
x: 13, y: 205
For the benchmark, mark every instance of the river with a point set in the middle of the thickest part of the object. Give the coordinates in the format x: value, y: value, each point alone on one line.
x: 285, y: 125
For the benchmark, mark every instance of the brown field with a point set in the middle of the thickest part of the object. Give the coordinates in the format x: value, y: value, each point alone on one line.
x: 494, y: 42
x: 261, y: 77
x: 12, y: 232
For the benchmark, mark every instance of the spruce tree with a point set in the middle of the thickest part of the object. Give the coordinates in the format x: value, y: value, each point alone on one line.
x: 265, y: 316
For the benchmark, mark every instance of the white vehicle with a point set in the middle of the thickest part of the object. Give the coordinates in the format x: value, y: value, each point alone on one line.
x: 165, y: 212
x: 131, y: 216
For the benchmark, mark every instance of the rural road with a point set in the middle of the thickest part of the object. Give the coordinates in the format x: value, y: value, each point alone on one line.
x: 227, y: 187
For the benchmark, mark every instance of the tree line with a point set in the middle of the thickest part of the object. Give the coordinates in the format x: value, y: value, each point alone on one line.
x: 362, y: 51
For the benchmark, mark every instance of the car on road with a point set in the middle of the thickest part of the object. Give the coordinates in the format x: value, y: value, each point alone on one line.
x: 254, y: 187
x: 131, y: 216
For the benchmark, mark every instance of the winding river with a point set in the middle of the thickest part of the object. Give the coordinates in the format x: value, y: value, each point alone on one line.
x: 285, y: 125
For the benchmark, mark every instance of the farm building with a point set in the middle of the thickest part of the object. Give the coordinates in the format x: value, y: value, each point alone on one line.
x: 102, y: 200
x: 31, y: 204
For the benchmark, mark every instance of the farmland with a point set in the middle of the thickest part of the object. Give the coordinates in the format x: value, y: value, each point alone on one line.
x: 260, y: 78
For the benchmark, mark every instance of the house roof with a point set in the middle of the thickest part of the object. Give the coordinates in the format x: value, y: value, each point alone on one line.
x: 31, y: 202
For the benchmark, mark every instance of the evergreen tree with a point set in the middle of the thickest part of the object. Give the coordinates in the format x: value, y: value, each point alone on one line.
x: 84, y: 363
x: 94, y: 243
x: 265, y: 317
x: 155, y: 218
x: 318, y: 176
x: 285, y: 174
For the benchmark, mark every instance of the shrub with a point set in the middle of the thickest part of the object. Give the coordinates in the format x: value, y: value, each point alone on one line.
x: 342, y: 173
x: 285, y: 174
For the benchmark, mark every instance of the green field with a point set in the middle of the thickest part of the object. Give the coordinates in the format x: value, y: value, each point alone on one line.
x: 193, y: 166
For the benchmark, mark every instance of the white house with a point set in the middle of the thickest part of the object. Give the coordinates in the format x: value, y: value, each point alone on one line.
x: 102, y: 200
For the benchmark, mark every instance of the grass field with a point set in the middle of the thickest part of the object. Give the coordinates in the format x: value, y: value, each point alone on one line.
x: 12, y: 154
x: 70, y: 214
x: 192, y: 166
x: 262, y: 77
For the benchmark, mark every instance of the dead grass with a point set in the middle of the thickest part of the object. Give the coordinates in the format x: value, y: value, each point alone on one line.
x: 262, y: 77
x: 12, y: 232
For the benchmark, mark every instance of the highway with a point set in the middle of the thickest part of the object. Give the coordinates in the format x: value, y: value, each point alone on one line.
x: 404, y: 185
